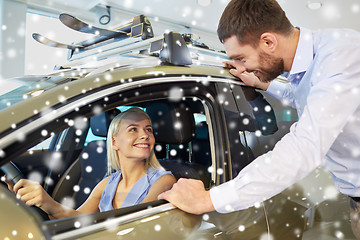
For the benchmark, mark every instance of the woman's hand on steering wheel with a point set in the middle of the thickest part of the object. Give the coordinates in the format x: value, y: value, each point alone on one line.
x: 13, y: 176
x: 32, y: 194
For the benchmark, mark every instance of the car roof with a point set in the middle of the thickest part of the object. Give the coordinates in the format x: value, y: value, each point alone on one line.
x: 53, y: 90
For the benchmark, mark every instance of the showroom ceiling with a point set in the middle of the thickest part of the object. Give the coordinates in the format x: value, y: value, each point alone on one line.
x: 332, y: 13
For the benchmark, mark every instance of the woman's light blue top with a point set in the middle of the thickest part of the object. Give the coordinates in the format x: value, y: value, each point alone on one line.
x: 137, y: 193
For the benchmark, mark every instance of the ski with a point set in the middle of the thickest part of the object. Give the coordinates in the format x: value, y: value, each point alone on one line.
x: 51, y: 43
x: 139, y: 26
x: 81, y: 26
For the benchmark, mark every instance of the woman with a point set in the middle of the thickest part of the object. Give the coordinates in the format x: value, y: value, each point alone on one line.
x: 139, y: 177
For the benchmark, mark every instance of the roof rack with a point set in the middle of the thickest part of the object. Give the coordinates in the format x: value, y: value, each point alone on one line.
x: 139, y: 27
x: 134, y: 37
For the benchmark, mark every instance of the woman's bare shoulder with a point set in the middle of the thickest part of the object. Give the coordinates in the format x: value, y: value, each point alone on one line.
x: 164, y: 182
x: 99, y: 188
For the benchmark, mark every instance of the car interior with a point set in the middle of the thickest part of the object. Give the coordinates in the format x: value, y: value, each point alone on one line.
x: 75, y: 162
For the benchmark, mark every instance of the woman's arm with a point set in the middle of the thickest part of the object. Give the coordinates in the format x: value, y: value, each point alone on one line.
x: 91, y: 204
x: 164, y: 183
x: 32, y: 193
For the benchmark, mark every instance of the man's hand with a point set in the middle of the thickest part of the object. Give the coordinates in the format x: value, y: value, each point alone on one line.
x: 248, y: 78
x: 190, y: 196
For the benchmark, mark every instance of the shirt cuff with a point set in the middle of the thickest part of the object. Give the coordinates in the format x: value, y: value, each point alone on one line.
x: 224, y: 196
x: 276, y: 89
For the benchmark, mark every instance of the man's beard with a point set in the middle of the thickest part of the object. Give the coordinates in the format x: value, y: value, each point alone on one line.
x: 271, y: 67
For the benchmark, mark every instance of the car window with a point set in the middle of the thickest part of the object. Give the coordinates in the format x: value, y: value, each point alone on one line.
x: 43, y: 145
x: 273, y: 120
x: 91, y: 137
x: 190, y: 158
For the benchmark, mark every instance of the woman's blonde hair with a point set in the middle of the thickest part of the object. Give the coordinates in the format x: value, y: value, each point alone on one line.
x: 113, y: 158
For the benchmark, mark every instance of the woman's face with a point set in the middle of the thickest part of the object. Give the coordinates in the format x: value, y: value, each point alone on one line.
x: 135, y: 139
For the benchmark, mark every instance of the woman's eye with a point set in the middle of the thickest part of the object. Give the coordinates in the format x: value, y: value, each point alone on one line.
x: 132, y: 129
x: 149, y: 129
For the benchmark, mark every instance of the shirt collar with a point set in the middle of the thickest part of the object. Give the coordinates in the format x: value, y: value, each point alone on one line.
x: 304, y: 52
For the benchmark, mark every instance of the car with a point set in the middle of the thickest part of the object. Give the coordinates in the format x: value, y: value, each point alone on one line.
x: 53, y: 130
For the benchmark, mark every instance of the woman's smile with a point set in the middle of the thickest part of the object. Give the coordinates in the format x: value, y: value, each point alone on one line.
x: 142, y: 145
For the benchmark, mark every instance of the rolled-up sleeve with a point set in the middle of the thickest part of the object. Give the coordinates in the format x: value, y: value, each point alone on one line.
x: 332, y: 103
x: 281, y: 91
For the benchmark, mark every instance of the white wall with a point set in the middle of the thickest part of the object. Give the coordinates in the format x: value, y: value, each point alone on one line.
x: 12, y: 38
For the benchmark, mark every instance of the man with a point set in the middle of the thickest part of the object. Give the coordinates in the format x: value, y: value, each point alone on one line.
x: 323, y: 70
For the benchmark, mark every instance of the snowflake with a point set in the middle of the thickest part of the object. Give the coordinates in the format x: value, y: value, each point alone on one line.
x: 266, y: 236
x: 175, y: 94
x: 11, y: 53
x: 77, y: 224
x: 88, y: 169
x: 87, y: 190
x: 158, y: 148
x: 49, y: 181
x: 173, y: 152
x: 76, y: 188
x: 157, y: 227
x: 99, y: 149
x: 54, y: 162
x: 97, y: 110
x: 206, y: 217
x: 177, y: 125
x: 245, y: 121
x: 241, y: 228
x: 330, y: 12
x: 330, y: 192
x: 35, y: 176
x: 339, y: 234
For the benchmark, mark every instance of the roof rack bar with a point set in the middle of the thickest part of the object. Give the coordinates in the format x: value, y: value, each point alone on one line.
x: 171, y: 47
x: 140, y: 26
x: 113, y: 49
x: 208, y: 52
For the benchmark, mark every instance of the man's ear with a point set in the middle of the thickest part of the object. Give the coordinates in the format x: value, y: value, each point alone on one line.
x: 268, y: 42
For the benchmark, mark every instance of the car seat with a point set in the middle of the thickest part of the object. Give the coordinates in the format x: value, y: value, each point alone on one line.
x: 89, y: 168
x: 200, y: 145
x: 174, y: 124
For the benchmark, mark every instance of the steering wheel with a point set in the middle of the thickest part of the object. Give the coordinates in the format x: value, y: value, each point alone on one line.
x: 14, y: 174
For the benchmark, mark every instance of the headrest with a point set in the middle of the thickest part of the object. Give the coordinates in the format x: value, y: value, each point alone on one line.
x: 202, y: 131
x: 100, y: 123
x: 173, y: 123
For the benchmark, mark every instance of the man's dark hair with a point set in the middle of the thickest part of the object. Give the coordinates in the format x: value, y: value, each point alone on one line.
x: 249, y: 19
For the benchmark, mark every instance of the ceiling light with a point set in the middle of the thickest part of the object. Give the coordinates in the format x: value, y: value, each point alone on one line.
x: 314, y: 5
x: 204, y: 3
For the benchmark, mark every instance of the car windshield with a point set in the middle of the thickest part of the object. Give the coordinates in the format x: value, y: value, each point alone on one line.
x: 16, y: 90
x: 19, y: 89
